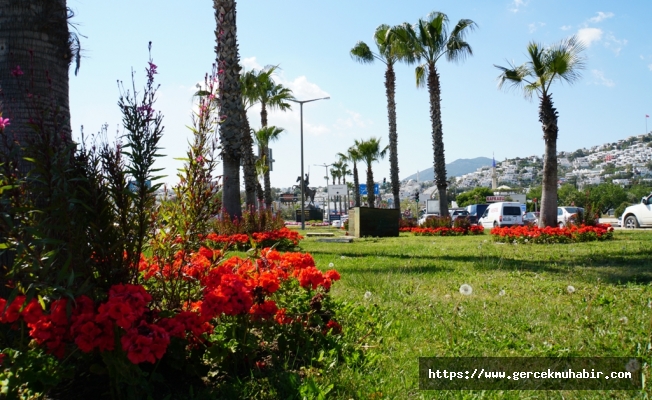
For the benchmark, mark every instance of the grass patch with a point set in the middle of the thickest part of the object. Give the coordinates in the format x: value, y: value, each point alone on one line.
x: 520, y: 305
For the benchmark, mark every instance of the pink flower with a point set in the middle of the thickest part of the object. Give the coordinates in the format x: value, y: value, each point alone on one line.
x: 4, y: 122
x: 199, y: 159
x: 17, y: 71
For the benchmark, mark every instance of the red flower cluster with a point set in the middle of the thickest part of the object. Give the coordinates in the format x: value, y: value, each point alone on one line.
x: 235, y: 286
x: 126, y: 307
x: 284, y: 236
x: 534, y: 234
x: 445, y: 231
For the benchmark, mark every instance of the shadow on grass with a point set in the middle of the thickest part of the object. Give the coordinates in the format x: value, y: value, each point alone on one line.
x: 610, y: 268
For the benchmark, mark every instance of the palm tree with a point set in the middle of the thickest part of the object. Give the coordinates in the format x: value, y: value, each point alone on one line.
x: 559, y: 62
x: 353, y: 155
x: 36, y: 50
x: 370, y: 152
x: 262, y: 89
x: 249, y: 167
x: 344, y: 170
x: 429, y: 40
x: 264, y: 136
x: 387, y: 54
x: 230, y: 102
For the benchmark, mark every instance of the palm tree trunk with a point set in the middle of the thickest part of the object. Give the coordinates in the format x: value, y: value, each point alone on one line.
x: 260, y: 194
x: 35, y: 56
x: 248, y: 165
x: 390, y: 89
x: 267, y: 182
x: 230, y: 101
x: 263, y: 114
x: 371, y: 196
x: 548, y: 119
x: 434, y: 89
x: 356, y: 184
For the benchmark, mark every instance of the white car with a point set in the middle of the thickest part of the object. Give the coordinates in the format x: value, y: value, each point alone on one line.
x: 502, y: 214
x: 566, y: 215
x: 639, y: 215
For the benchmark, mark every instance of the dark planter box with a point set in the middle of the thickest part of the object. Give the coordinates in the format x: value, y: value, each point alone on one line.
x: 378, y: 222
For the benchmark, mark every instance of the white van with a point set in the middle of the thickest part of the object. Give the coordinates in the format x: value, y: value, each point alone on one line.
x: 502, y: 214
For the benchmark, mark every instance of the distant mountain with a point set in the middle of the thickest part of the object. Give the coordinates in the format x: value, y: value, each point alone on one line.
x: 456, y: 168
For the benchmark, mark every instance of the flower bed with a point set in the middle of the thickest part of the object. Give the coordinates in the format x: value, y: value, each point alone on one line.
x: 283, y: 239
x: 570, y: 234
x: 233, y: 309
x: 444, y: 231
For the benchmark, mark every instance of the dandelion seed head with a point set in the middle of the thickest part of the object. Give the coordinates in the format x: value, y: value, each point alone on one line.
x: 466, y: 289
x: 367, y: 295
x: 623, y: 320
x: 570, y: 289
x: 342, y: 258
x: 331, y: 265
x: 501, y: 293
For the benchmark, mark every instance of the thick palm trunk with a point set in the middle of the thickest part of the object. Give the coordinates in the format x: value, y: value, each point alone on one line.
x: 356, y: 184
x: 248, y: 165
x: 35, y: 56
x: 548, y: 119
x: 371, y: 196
x: 390, y: 89
x: 230, y: 101
x: 434, y: 89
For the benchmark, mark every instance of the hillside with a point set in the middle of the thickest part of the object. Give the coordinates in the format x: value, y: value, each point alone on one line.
x: 458, y: 167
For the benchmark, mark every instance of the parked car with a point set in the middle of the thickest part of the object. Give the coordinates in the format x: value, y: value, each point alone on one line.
x: 502, y: 214
x: 639, y: 215
x: 476, y: 211
x: 458, y: 213
x: 566, y: 215
x: 425, y: 216
x: 531, y: 218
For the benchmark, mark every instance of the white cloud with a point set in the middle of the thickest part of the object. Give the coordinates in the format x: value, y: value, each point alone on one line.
x: 601, y: 17
x: 589, y: 35
x: 650, y: 67
x: 614, y: 44
x: 516, y: 5
x: 565, y: 27
x: 536, y: 25
x: 250, y: 63
x: 303, y: 89
x: 600, y: 79
x: 354, y: 120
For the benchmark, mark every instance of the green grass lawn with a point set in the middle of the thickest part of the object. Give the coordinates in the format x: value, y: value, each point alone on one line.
x: 520, y: 305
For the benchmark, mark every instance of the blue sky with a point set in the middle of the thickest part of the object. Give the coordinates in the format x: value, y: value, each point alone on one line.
x: 310, y: 40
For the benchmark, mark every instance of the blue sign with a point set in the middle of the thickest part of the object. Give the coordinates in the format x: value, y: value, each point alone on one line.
x: 363, y: 189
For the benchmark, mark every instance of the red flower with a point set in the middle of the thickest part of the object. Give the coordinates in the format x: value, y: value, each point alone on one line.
x: 310, y: 277
x: 263, y: 311
x: 282, y: 318
x: 146, y: 343
x: 11, y: 313
x: 32, y: 312
x: 333, y: 327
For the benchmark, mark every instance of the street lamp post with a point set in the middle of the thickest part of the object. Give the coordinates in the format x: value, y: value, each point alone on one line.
x: 328, y: 200
x: 303, y: 213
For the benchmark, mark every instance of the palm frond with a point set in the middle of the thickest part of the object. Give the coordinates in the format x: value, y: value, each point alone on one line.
x: 384, y: 46
x: 514, y: 77
x: 564, y: 59
x: 421, y: 75
x: 362, y: 53
x: 405, y: 46
x: 457, y: 49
